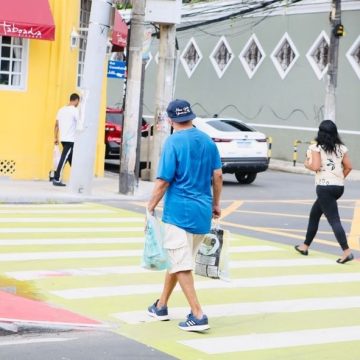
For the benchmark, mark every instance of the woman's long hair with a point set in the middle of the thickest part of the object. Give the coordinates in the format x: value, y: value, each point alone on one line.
x: 328, y: 136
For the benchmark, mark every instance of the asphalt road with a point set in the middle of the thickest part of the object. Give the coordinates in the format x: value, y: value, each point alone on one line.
x: 74, y: 345
x: 276, y: 207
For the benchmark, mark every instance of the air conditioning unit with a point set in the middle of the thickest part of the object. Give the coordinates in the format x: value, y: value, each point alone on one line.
x: 163, y: 11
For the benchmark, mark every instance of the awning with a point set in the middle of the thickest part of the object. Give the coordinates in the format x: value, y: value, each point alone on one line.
x: 120, y: 31
x: 26, y: 19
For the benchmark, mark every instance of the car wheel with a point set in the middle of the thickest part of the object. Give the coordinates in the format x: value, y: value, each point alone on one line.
x: 245, y: 178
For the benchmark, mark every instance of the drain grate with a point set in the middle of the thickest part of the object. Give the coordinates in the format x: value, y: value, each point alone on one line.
x: 7, y: 167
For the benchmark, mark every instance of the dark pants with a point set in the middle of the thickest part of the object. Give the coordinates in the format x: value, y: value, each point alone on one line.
x: 326, y: 204
x: 66, y: 156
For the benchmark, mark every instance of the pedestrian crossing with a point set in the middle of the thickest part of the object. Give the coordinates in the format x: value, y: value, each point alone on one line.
x: 276, y: 305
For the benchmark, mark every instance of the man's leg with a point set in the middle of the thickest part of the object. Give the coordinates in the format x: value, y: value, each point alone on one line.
x: 169, y: 285
x: 186, y: 281
x: 66, y: 153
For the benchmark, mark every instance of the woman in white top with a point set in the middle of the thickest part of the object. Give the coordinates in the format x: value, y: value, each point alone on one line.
x: 330, y: 160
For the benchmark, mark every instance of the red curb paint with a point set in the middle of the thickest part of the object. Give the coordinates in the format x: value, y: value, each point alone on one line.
x: 19, y: 309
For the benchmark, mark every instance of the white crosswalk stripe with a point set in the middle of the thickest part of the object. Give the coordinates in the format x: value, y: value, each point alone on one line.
x: 290, y: 280
x: 48, y: 255
x: 72, y: 241
x: 80, y: 220
x: 53, y: 211
x: 40, y: 230
x: 220, y: 345
x: 281, y: 263
x: 251, y: 308
x: 97, y: 271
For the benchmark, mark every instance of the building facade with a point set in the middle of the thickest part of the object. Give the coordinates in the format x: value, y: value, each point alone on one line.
x: 269, y: 69
x: 37, y: 77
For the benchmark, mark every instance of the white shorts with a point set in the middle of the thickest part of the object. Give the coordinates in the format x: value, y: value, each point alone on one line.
x: 182, y: 248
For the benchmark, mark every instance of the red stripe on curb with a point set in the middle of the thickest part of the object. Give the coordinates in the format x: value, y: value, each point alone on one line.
x: 19, y: 309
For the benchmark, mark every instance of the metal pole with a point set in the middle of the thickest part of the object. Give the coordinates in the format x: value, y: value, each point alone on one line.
x: 164, y: 92
x: 330, y: 97
x: 132, y: 102
x: 83, y: 160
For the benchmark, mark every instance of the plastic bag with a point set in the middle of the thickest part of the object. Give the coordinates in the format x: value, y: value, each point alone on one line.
x: 56, y: 159
x: 154, y: 256
x: 212, y: 258
x: 56, y: 156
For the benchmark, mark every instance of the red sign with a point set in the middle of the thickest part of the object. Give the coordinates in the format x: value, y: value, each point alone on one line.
x: 26, y: 19
x: 120, y: 31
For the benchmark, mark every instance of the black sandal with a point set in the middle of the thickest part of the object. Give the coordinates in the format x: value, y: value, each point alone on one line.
x: 302, y: 252
x: 348, y: 258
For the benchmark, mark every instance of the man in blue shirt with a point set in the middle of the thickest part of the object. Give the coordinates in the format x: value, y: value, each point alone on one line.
x: 189, y: 162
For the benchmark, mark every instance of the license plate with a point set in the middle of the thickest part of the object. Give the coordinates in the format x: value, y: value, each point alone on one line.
x: 243, y: 143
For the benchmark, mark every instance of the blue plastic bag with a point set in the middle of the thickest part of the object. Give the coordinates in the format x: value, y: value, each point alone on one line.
x: 154, y: 256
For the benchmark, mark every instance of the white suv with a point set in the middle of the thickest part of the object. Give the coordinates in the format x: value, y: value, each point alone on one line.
x: 243, y: 150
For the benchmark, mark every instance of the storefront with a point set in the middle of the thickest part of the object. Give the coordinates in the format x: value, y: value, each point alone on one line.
x: 41, y: 62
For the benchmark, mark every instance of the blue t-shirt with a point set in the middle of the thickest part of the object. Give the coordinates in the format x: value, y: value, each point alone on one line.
x: 187, y: 162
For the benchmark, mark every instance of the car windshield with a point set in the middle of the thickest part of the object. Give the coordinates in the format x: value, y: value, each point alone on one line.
x: 115, y: 118
x: 229, y: 125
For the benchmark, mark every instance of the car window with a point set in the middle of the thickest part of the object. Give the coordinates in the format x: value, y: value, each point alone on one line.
x: 229, y: 125
x: 115, y: 118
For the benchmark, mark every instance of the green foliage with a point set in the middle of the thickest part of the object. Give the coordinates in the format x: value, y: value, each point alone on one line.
x: 123, y: 4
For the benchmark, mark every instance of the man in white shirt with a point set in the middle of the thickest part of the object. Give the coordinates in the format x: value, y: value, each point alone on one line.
x: 67, y: 120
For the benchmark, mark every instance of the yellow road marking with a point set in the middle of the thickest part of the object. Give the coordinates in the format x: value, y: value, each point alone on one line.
x: 295, y: 201
x: 354, y: 235
x: 231, y: 208
x: 280, y: 233
x: 280, y: 214
x: 298, y: 230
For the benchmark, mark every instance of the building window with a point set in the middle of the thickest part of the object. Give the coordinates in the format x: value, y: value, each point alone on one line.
x: 13, y: 62
x: 221, y: 57
x: 353, y: 56
x: 284, y: 56
x: 252, y: 56
x: 318, y: 55
x: 84, y: 24
x: 191, y: 57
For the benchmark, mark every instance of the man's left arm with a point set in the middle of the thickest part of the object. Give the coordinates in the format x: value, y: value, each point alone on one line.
x: 157, y: 194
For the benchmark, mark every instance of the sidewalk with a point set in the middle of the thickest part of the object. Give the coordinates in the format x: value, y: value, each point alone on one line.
x: 105, y: 188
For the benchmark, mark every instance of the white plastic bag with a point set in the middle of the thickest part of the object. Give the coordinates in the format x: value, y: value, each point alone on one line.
x: 212, y: 259
x: 56, y: 156
x: 154, y: 256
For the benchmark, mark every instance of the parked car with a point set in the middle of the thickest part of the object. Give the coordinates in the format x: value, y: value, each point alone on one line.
x: 113, y: 131
x: 243, y: 150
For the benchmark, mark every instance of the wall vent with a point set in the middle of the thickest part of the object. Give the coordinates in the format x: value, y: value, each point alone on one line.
x: 7, y: 167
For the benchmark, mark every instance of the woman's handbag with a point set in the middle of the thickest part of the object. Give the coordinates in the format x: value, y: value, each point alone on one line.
x: 154, y: 256
x: 212, y: 259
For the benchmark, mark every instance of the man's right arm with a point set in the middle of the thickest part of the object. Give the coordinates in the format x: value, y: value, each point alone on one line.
x: 217, y: 187
x: 157, y: 194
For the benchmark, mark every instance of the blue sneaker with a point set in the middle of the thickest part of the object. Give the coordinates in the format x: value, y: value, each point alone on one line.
x: 159, y: 313
x: 194, y: 324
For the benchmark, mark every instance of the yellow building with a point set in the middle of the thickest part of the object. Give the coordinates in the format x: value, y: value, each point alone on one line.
x: 37, y: 76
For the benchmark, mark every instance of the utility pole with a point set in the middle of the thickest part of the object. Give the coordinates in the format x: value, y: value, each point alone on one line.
x: 82, y: 171
x: 337, y: 31
x: 164, y: 92
x: 132, y: 102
